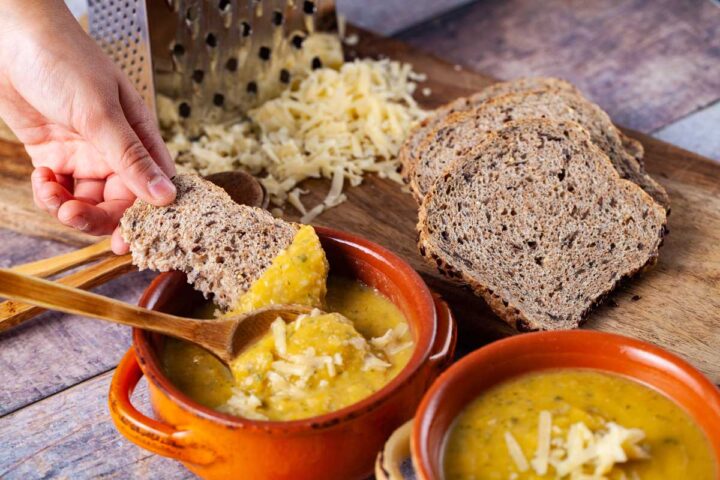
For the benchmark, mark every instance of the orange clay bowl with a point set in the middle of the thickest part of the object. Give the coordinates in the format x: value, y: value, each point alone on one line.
x: 338, y: 445
x: 502, y: 360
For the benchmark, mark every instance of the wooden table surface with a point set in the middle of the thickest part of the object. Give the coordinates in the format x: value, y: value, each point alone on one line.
x: 653, y: 64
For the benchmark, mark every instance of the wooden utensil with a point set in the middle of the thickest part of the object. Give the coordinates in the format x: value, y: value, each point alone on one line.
x: 242, y: 187
x: 60, y: 263
x: 13, y: 312
x: 225, y: 338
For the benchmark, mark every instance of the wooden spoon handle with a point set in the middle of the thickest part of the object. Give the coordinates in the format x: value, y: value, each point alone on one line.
x: 60, y: 263
x: 13, y: 313
x: 54, y: 296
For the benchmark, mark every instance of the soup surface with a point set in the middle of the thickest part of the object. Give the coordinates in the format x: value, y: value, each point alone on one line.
x: 381, y: 348
x: 575, y: 424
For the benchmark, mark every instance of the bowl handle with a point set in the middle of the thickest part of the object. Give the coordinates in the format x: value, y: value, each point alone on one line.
x: 443, y: 349
x: 142, y: 430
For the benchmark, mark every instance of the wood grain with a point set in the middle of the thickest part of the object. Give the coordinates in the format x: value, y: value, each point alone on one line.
x: 70, y: 435
x: 647, y: 62
x: 53, y: 351
x: 13, y: 313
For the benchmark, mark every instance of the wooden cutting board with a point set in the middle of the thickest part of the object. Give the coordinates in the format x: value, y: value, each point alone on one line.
x: 675, y: 305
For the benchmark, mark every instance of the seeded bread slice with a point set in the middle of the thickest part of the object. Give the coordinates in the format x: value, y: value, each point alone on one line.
x: 409, y: 153
x: 222, y: 246
x: 539, y: 224
x: 461, y: 132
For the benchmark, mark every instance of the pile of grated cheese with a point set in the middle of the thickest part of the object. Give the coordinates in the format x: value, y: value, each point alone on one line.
x: 337, y: 124
x: 581, y: 454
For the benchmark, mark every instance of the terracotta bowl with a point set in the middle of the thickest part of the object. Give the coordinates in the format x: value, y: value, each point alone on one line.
x: 532, y: 352
x: 341, y: 444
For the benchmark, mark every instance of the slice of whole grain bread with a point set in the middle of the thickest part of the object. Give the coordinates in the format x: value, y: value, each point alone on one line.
x: 461, y: 132
x: 409, y: 153
x: 539, y: 223
x: 222, y: 246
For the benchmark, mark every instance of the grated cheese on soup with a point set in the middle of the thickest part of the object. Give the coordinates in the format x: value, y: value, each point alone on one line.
x: 336, y: 123
x: 581, y: 453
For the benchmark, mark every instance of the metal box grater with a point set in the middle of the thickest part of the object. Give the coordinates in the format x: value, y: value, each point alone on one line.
x: 215, y: 58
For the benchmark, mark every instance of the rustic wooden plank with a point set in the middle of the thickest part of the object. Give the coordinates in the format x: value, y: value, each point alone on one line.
x: 71, y: 435
x: 698, y: 132
x: 647, y: 62
x: 391, y: 16
x: 54, y: 351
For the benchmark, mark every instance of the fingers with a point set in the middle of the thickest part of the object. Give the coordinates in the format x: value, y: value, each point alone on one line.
x: 145, y: 126
x: 90, y: 190
x: 118, y: 245
x: 98, y: 219
x: 126, y: 154
x: 48, y: 193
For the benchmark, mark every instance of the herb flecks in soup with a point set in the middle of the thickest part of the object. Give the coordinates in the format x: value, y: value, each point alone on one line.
x: 575, y: 424
x: 317, y: 364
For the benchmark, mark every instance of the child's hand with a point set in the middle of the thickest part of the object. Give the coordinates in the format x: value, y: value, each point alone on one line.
x: 94, y: 144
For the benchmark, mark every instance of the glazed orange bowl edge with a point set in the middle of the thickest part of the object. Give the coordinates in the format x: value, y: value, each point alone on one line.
x: 534, y: 352
x: 340, y: 444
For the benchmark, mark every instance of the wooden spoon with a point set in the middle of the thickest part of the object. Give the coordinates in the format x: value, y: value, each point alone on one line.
x: 226, y: 338
x: 242, y: 187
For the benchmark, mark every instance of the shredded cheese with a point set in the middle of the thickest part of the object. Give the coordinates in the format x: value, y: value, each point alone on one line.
x: 542, y: 454
x: 516, y: 452
x: 336, y: 123
x: 582, y: 454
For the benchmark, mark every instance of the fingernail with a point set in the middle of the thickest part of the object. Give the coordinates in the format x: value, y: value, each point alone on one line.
x: 161, y: 188
x: 79, y: 223
x: 53, y: 202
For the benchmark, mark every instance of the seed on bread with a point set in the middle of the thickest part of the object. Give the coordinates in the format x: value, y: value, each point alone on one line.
x: 222, y: 246
x: 539, y: 223
x: 461, y: 132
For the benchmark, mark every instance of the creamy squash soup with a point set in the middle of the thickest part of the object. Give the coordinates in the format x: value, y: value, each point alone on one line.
x: 576, y: 425
x: 317, y: 364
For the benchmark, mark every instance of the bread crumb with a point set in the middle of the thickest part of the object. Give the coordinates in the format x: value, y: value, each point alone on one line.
x: 427, y: 91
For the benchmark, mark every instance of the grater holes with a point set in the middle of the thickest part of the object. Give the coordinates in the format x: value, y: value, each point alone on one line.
x: 184, y: 110
x: 198, y: 76
x: 309, y: 7
x: 252, y: 88
x: 224, y: 5
x: 284, y: 76
x: 277, y: 18
x: 297, y: 41
x: 232, y: 64
x: 316, y: 63
x: 218, y: 99
x: 245, y: 29
x: 178, y: 50
x: 191, y: 14
x: 264, y: 53
x: 211, y: 40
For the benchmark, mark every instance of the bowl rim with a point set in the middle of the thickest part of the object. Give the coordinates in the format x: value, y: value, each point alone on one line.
x: 630, y: 349
x: 149, y: 361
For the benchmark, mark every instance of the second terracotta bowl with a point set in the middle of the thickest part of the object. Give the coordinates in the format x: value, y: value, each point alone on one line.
x: 532, y: 352
x: 338, y: 445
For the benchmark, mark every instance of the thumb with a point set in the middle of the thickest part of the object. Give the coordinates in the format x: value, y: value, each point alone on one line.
x: 127, y: 156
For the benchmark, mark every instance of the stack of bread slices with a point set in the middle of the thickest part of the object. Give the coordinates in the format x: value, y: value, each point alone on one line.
x: 531, y: 196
